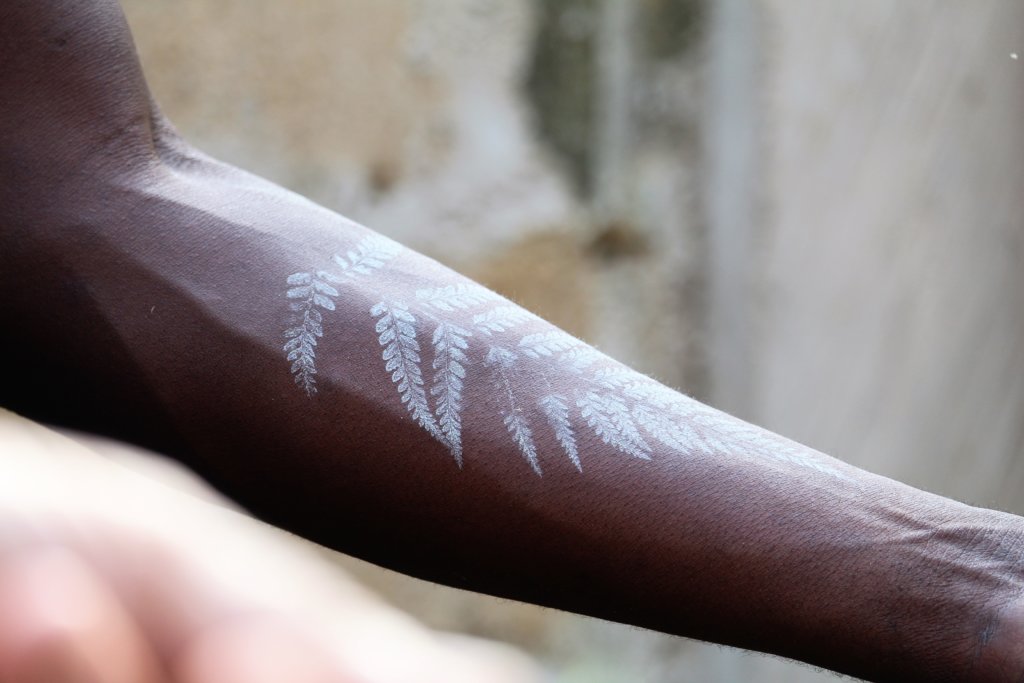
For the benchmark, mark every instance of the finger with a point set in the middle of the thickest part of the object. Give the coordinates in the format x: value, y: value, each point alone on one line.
x: 60, y: 623
x: 258, y: 650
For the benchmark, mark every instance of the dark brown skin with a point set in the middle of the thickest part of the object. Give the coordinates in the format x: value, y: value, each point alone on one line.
x: 144, y: 298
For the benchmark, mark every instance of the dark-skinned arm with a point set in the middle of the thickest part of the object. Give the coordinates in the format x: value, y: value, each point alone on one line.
x: 369, y: 398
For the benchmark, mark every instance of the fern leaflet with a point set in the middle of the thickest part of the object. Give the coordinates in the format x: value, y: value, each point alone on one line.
x: 307, y: 292
x: 547, y: 343
x: 743, y: 437
x: 675, y: 434
x: 449, y: 359
x: 609, y: 417
x: 397, y: 334
x: 523, y: 437
x: 617, y: 378
x: 699, y: 427
x: 452, y: 297
x: 581, y: 358
x: 502, y: 361
x: 500, y: 319
x: 369, y: 255
x: 556, y: 410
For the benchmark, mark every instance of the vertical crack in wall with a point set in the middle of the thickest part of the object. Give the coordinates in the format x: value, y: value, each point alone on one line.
x: 561, y: 84
x: 615, y: 87
x: 670, y: 29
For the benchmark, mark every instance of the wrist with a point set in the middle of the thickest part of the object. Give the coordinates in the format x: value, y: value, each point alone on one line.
x: 1000, y: 647
x: 931, y: 590
x: 981, y: 628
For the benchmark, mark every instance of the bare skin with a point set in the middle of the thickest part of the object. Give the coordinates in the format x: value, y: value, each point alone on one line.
x: 147, y: 298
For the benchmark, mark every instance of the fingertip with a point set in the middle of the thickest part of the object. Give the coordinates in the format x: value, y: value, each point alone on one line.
x: 60, y: 622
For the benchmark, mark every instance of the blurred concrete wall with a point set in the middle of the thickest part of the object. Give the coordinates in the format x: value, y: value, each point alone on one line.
x: 808, y: 213
x: 892, y: 246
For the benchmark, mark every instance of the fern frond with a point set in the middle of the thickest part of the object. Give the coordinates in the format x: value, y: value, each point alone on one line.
x: 678, y: 435
x: 556, y: 410
x: 449, y: 371
x: 523, y: 437
x: 736, y: 436
x: 581, y: 358
x: 547, y: 343
x: 369, y: 255
x: 671, y: 417
x: 397, y: 334
x: 502, y: 361
x: 610, y: 419
x: 501, y: 319
x: 702, y: 428
x: 681, y: 423
x: 306, y: 293
x: 501, y: 358
x: 452, y: 297
x: 639, y: 387
x: 617, y: 378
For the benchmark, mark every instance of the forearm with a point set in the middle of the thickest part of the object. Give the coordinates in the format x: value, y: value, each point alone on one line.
x: 181, y: 313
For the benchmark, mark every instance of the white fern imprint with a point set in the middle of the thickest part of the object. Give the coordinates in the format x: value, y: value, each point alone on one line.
x: 547, y: 343
x: 369, y: 255
x: 397, y: 334
x: 625, y: 410
x: 452, y: 297
x: 501, y: 319
x: 675, y: 434
x: 556, y: 409
x: 610, y: 419
x: 580, y: 358
x: 449, y: 372
x: 309, y: 292
x: 502, y: 361
x: 687, y: 426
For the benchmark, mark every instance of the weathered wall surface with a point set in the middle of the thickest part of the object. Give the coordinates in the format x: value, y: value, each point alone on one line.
x: 808, y: 213
x: 892, y: 253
